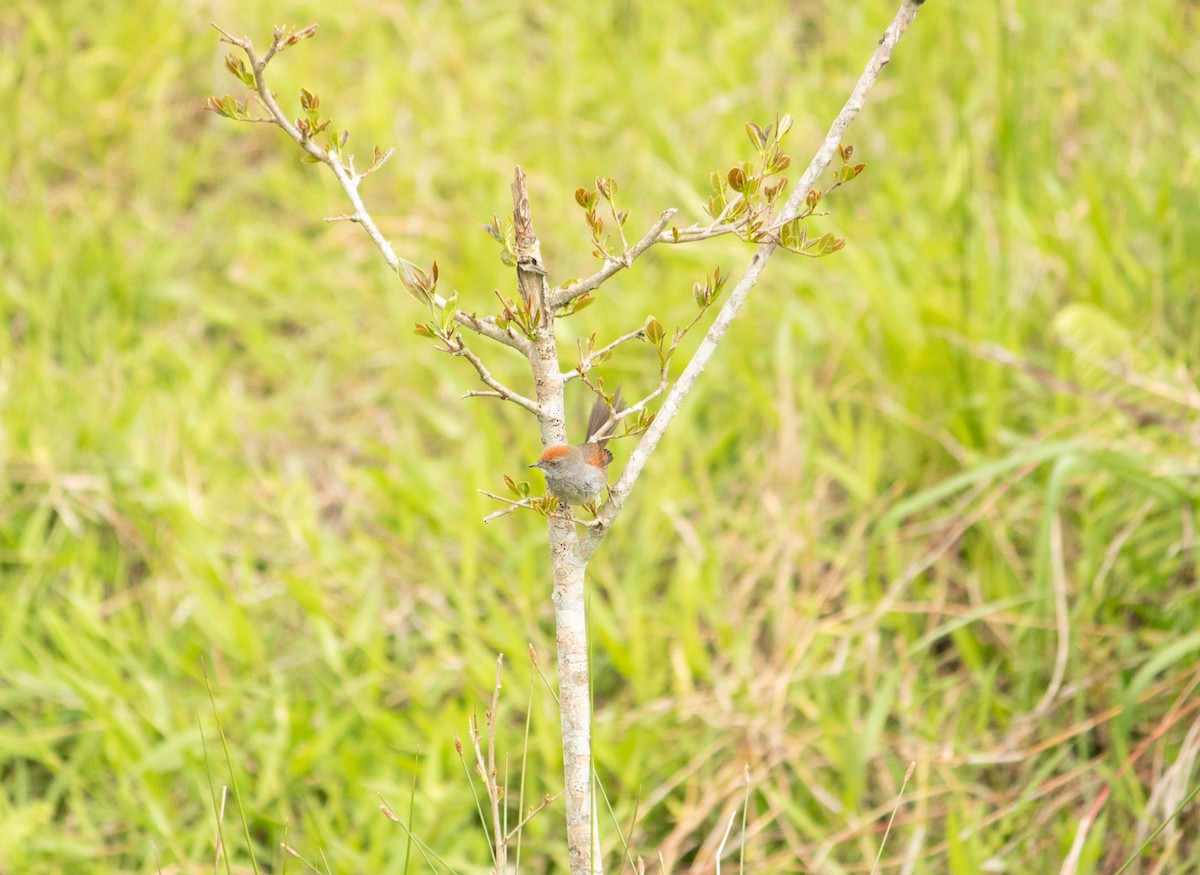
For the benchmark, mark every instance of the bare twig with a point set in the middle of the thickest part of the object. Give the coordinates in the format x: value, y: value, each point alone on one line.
x: 562, y: 297
x: 513, y: 506
x: 350, y: 180
x: 546, y: 800
x: 597, y: 356
x: 457, y: 346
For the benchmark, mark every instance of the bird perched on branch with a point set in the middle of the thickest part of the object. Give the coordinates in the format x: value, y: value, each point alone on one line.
x: 578, y: 473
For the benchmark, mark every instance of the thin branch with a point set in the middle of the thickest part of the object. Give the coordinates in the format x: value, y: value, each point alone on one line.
x: 708, y: 346
x: 513, y: 506
x: 349, y: 181
x: 546, y: 800
x: 458, y: 347
x: 561, y: 297
x: 523, y: 504
x: 693, y: 233
x: 585, y: 361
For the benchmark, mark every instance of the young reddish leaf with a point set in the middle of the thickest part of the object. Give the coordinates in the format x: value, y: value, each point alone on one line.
x: 737, y: 178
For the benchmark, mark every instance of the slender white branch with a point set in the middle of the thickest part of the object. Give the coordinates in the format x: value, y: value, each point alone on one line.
x: 349, y: 181
x: 561, y: 297
x: 693, y: 233
x: 708, y: 346
x: 513, y: 506
x: 533, y: 812
x: 459, y: 347
x: 586, y: 362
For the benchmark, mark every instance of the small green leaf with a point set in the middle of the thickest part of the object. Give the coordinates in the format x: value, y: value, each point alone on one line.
x: 422, y: 330
x: 756, y: 135
x: 824, y: 245
x: 785, y: 125
x: 654, y: 331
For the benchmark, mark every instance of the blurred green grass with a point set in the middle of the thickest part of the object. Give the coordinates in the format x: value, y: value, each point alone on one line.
x: 220, y: 442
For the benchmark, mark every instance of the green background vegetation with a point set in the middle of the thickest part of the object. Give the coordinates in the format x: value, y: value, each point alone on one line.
x: 221, y: 444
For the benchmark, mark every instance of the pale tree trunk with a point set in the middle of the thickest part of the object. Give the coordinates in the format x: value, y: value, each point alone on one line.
x: 574, y: 698
x: 570, y: 619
